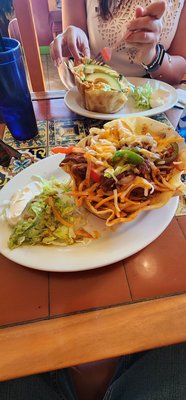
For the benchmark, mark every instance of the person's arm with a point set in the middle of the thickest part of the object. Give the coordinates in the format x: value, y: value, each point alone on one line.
x: 74, y: 16
x: 73, y: 41
x: 144, y: 34
x: 173, y: 67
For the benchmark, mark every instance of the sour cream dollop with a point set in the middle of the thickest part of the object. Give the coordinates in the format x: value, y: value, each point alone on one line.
x: 19, y: 201
x: 159, y: 97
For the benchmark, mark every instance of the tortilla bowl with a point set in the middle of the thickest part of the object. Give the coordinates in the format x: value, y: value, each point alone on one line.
x: 129, y: 166
x: 98, y: 100
x: 142, y: 125
x: 102, y: 89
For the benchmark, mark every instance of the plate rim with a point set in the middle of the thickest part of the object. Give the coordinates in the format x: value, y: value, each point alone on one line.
x: 80, y: 110
x: 171, y: 207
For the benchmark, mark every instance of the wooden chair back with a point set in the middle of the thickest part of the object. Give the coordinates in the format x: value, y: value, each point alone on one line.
x: 25, y: 17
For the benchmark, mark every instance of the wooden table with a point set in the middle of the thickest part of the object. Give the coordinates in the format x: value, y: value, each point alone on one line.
x: 54, y: 320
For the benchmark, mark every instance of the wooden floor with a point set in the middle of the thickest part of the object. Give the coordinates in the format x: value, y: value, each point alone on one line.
x: 52, y: 80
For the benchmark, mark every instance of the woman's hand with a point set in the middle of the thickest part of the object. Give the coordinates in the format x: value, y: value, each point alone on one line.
x: 73, y: 42
x: 143, y: 32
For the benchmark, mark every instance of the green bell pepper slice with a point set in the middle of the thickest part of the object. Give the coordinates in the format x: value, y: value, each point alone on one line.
x: 128, y: 156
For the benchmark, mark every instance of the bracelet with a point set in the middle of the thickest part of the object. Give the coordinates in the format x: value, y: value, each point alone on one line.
x: 156, y: 63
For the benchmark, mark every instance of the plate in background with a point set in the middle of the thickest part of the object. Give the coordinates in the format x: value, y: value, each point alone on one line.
x: 74, y: 103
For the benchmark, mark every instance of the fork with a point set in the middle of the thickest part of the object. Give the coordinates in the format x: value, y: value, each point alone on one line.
x: 104, y: 55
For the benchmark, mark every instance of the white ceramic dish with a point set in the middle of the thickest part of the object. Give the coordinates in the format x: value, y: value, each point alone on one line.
x: 74, y: 103
x: 111, y: 247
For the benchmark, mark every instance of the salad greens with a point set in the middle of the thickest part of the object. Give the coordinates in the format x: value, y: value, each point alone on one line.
x: 142, y: 96
x: 50, y: 218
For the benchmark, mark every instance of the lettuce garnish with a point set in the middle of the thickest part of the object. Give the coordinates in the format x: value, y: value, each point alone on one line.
x: 142, y: 96
x: 50, y: 218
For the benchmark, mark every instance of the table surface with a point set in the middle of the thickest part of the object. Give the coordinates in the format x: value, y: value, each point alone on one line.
x: 54, y: 320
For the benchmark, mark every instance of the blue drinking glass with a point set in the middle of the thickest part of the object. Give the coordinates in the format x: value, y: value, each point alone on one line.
x: 16, y: 108
x: 181, y: 128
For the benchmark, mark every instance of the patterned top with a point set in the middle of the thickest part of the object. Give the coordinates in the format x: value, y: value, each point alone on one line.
x: 109, y: 33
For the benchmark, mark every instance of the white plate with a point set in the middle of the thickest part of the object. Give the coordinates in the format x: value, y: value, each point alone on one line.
x: 111, y: 247
x: 73, y: 101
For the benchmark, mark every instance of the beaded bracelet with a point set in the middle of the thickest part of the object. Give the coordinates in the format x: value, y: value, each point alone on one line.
x: 156, y: 63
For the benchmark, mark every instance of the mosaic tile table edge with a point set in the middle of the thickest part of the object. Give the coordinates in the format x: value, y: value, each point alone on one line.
x: 53, y: 133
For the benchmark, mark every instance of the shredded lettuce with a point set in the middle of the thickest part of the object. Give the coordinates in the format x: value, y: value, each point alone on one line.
x: 113, y: 172
x: 142, y: 96
x: 40, y: 222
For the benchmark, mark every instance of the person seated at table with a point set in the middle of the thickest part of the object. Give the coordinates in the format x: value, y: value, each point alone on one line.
x: 158, y: 374
x: 141, y: 31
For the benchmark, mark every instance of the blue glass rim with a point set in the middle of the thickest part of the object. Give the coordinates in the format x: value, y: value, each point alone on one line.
x: 13, y: 51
